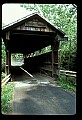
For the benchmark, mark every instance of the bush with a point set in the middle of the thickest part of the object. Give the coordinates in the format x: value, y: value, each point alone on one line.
x: 67, y: 84
x: 3, y: 75
x: 6, y: 97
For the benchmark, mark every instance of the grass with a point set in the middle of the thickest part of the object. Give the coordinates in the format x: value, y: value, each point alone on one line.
x: 68, y: 84
x: 6, y: 98
x: 3, y: 75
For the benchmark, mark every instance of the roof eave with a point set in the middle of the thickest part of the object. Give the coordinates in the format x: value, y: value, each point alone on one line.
x: 27, y: 17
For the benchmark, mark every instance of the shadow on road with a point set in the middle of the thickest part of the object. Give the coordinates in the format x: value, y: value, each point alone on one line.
x: 42, y: 98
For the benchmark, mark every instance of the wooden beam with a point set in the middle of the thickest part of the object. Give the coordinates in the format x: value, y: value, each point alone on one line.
x: 35, y: 26
x: 28, y: 34
x: 54, y: 47
x: 32, y: 32
x: 26, y: 72
x: 8, y: 61
x: 8, y: 35
x: 5, y: 80
x: 7, y: 65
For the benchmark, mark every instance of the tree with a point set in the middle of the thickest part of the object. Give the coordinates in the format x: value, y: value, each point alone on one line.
x: 75, y: 5
x: 64, y: 17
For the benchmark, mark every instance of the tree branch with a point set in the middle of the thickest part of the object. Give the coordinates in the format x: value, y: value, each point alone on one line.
x: 75, y: 5
x: 39, y: 10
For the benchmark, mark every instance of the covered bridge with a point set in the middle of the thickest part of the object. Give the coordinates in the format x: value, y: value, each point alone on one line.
x: 28, y: 35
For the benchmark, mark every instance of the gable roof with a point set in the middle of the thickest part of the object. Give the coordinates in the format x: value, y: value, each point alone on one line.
x: 28, y: 17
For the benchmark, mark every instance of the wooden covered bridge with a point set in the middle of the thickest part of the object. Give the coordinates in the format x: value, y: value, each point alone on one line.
x: 28, y: 35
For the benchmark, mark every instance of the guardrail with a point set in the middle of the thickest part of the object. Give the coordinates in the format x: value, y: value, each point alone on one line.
x: 5, y: 80
x: 68, y: 73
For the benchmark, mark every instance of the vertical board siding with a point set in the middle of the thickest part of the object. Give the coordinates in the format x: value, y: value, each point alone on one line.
x: 34, y: 22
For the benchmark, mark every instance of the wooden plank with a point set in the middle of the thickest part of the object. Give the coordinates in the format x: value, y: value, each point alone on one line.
x: 47, y: 63
x: 28, y: 34
x: 53, y: 57
x: 7, y: 35
x: 70, y: 72
x: 26, y: 72
x: 7, y: 62
x: 5, y: 81
x: 44, y: 68
x: 67, y: 71
x: 50, y: 63
x: 54, y: 47
x: 5, y: 78
x: 55, y: 63
x: 35, y: 26
x: 70, y: 75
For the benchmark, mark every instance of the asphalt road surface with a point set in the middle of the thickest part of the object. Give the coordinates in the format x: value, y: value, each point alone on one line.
x: 37, y: 96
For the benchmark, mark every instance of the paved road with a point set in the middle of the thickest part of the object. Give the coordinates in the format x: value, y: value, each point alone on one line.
x: 39, y: 97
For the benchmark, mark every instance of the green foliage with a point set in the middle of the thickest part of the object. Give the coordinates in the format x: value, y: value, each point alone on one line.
x: 44, y: 50
x: 67, y: 84
x: 16, y: 56
x: 3, y: 75
x: 37, y: 53
x: 6, y: 97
